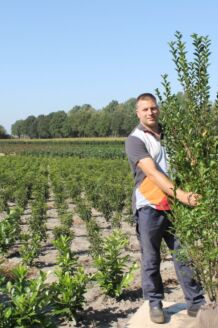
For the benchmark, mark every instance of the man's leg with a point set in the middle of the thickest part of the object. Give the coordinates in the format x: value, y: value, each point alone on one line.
x: 192, y: 290
x: 150, y: 223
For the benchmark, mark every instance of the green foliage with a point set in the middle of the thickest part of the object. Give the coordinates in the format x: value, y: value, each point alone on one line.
x: 62, y: 230
x: 2, y: 132
x: 81, y: 121
x: 66, y: 259
x: 105, y: 149
x: 69, y: 293
x: 22, y: 194
x: 192, y: 147
x: 10, y: 229
x: 83, y: 209
x: 56, y: 124
x: 94, y: 237
x: 25, y: 180
x: 27, y: 301
x: 17, y: 128
x: 113, y: 275
x: 3, y: 200
x: 38, y: 207
x: 67, y: 219
x: 31, y: 248
x: 108, y: 194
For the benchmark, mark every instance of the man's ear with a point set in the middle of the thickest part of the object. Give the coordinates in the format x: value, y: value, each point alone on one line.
x: 137, y: 113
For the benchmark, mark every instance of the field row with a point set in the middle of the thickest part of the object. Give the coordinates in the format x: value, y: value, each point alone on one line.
x: 82, y: 148
x: 32, y: 187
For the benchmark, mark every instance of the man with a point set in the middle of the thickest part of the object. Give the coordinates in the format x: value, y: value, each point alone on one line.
x: 148, y: 161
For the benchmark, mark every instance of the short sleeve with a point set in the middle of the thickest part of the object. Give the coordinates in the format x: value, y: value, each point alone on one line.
x: 135, y: 149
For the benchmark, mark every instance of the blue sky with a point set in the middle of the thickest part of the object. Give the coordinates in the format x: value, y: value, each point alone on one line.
x: 56, y: 54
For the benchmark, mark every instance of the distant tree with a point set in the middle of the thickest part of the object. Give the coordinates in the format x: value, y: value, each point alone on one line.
x: 103, y: 125
x: 130, y: 119
x: 30, y: 127
x: 17, y: 129
x: 56, y: 124
x: 79, y: 118
x: 3, y: 133
x: 117, y: 118
x: 66, y: 129
x: 74, y: 109
x: 111, y: 107
x: 91, y: 127
x: 43, y: 126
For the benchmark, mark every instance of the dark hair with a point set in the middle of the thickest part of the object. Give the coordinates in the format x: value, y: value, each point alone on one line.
x: 145, y: 96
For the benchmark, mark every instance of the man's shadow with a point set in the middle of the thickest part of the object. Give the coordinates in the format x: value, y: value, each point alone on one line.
x: 171, y: 310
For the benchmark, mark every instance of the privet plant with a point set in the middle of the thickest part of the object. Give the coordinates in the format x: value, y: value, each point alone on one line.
x: 191, y: 141
x: 10, y: 229
x: 32, y: 240
x: 27, y: 301
x: 113, y: 274
x: 68, y: 292
x: 66, y: 259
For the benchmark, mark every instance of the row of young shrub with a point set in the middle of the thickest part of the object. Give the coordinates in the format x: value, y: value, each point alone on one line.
x: 64, y: 298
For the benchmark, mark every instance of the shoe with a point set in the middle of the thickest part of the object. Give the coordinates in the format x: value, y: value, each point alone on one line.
x: 192, y: 311
x: 157, y: 314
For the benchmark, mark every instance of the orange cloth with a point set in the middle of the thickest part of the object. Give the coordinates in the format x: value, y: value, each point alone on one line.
x: 154, y: 194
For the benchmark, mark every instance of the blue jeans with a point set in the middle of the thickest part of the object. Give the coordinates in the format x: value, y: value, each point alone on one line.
x: 152, y: 226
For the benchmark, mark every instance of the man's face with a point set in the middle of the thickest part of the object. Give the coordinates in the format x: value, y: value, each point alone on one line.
x: 148, y: 112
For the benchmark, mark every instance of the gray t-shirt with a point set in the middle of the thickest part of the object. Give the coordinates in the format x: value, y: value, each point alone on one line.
x: 142, y: 143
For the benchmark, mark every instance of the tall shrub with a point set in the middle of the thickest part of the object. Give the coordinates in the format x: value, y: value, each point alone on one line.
x: 190, y: 136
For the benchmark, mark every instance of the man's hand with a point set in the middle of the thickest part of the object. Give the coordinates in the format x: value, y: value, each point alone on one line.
x: 188, y: 198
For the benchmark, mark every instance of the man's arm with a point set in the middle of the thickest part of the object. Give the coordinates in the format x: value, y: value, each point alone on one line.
x: 148, y: 166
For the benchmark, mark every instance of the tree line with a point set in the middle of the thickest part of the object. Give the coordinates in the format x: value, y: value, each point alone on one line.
x: 116, y: 119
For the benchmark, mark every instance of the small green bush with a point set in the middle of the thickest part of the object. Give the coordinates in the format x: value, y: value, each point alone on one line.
x: 113, y: 274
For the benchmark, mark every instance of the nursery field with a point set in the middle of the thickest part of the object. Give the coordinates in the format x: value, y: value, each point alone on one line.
x: 107, y: 148
x: 68, y: 246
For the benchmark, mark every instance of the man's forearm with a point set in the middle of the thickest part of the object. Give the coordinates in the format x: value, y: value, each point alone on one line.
x: 167, y: 186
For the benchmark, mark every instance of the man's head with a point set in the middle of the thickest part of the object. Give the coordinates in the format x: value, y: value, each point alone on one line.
x: 147, y: 110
